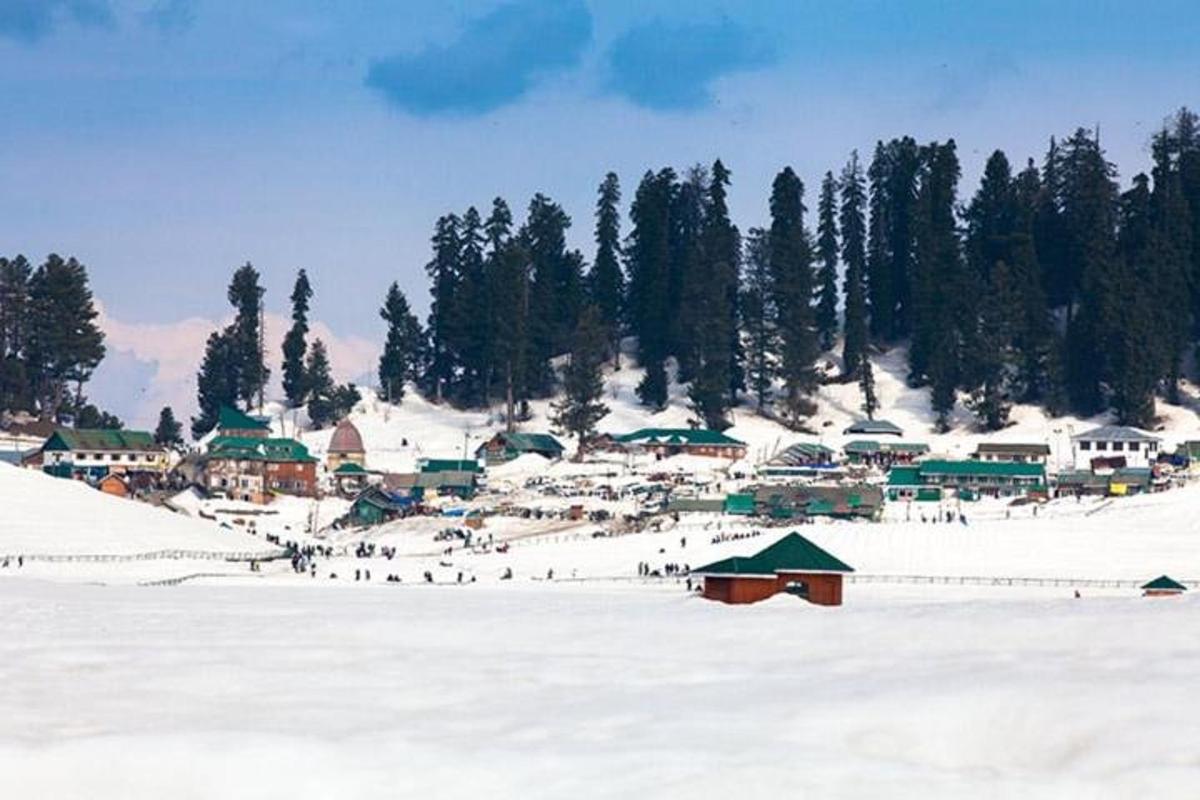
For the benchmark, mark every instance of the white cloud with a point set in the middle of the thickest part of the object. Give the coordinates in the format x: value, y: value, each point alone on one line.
x: 172, y: 352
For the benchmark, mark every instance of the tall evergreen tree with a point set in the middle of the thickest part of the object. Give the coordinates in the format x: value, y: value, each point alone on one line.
x: 294, y: 343
x: 64, y: 343
x: 401, y: 359
x: 607, y: 282
x: 854, y: 256
x: 444, y: 271
x: 322, y: 402
x: 168, y: 433
x: 791, y: 272
x: 648, y: 253
x: 714, y: 382
x: 866, y: 386
x: 245, y: 295
x: 16, y: 391
x: 758, y: 319
x: 579, y: 409
x: 217, y: 381
x: 827, y: 254
x: 555, y: 292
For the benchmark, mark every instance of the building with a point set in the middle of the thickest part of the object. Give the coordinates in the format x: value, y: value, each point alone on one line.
x: 345, y: 447
x: 424, y: 485
x: 874, y: 453
x: 115, y: 484
x: 350, y: 479
x: 91, y: 454
x: 802, y: 458
x: 1013, y: 453
x: 1162, y: 586
x: 505, y: 446
x: 792, y: 501
x: 930, y: 479
x: 231, y: 422
x: 20, y: 438
x: 448, y: 465
x: 873, y: 427
x: 665, y: 442
x: 793, y: 565
x: 1110, y: 444
x: 375, y: 506
x: 254, y: 469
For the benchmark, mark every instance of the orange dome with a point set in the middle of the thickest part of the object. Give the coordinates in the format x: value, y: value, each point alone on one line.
x: 346, y: 439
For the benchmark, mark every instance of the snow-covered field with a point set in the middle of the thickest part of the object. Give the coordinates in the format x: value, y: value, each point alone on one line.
x: 551, y: 692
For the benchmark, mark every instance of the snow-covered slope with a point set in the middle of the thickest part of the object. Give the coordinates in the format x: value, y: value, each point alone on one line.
x: 41, y: 515
x: 397, y: 435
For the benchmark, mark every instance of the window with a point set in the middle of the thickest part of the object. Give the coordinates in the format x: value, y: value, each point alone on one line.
x: 1118, y: 447
x: 1101, y: 445
x: 1133, y: 447
x: 1085, y: 445
x: 1152, y: 446
x: 131, y: 457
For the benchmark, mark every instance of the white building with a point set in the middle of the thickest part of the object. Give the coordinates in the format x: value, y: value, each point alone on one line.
x: 1139, y: 449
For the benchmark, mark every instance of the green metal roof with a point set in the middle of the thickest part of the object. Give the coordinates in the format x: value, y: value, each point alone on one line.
x: 100, y: 439
x: 532, y: 442
x: 251, y: 449
x: 792, y: 553
x: 990, y: 469
x: 876, y: 426
x: 904, y: 476
x: 450, y: 465
x: 1163, y: 583
x: 680, y: 436
x: 232, y: 419
x: 739, y: 504
x: 350, y: 468
x: 868, y: 446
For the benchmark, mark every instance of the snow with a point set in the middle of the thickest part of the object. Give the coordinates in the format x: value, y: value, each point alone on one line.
x: 598, y: 683
x: 387, y: 691
x: 51, y: 516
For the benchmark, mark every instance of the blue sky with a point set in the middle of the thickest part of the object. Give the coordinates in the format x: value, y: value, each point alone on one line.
x: 163, y: 142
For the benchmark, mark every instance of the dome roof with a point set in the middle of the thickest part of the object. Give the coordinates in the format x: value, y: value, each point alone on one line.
x: 346, y: 439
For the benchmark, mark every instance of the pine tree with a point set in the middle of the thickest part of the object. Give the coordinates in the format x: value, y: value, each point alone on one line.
x: 245, y: 295
x: 854, y: 256
x: 444, y: 272
x: 322, y: 403
x: 758, y: 319
x: 648, y: 253
x: 64, y: 344
x: 86, y: 416
x: 866, y: 385
x: 169, y: 432
x: 294, y: 343
x: 827, y: 251
x: 791, y: 272
x: 217, y: 381
x: 16, y: 390
x: 402, y: 349
x: 713, y: 383
x: 583, y: 383
x: 607, y: 282
x: 688, y: 273
x: 555, y: 291
x: 472, y: 314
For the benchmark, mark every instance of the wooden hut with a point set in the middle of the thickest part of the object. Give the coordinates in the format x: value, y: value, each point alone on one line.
x: 793, y: 565
x: 1162, y: 586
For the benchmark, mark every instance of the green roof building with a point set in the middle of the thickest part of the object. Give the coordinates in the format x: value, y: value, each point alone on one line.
x: 674, y: 441
x: 793, y: 565
x: 231, y: 422
x: 1163, y: 586
x: 505, y: 446
x: 93, y: 453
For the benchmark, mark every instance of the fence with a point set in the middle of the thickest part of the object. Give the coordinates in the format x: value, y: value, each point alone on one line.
x: 156, y: 555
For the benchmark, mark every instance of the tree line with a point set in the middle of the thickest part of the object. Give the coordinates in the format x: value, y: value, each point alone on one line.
x: 1050, y: 285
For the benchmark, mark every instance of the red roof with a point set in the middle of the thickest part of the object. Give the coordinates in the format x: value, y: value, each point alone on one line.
x: 346, y: 439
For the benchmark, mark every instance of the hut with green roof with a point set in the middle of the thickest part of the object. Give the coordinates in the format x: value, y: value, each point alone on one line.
x: 793, y: 565
x: 1163, y: 586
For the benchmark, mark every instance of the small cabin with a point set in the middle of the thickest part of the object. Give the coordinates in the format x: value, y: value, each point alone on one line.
x: 793, y: 565
x: 1163, y: 586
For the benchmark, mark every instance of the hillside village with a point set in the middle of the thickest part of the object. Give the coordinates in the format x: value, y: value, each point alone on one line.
x: 397, y: 482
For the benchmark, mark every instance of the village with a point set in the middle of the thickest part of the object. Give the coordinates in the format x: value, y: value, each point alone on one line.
x: 428, y: 511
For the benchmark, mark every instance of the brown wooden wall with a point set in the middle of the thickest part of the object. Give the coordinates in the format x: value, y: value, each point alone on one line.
x: 823, y: 589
